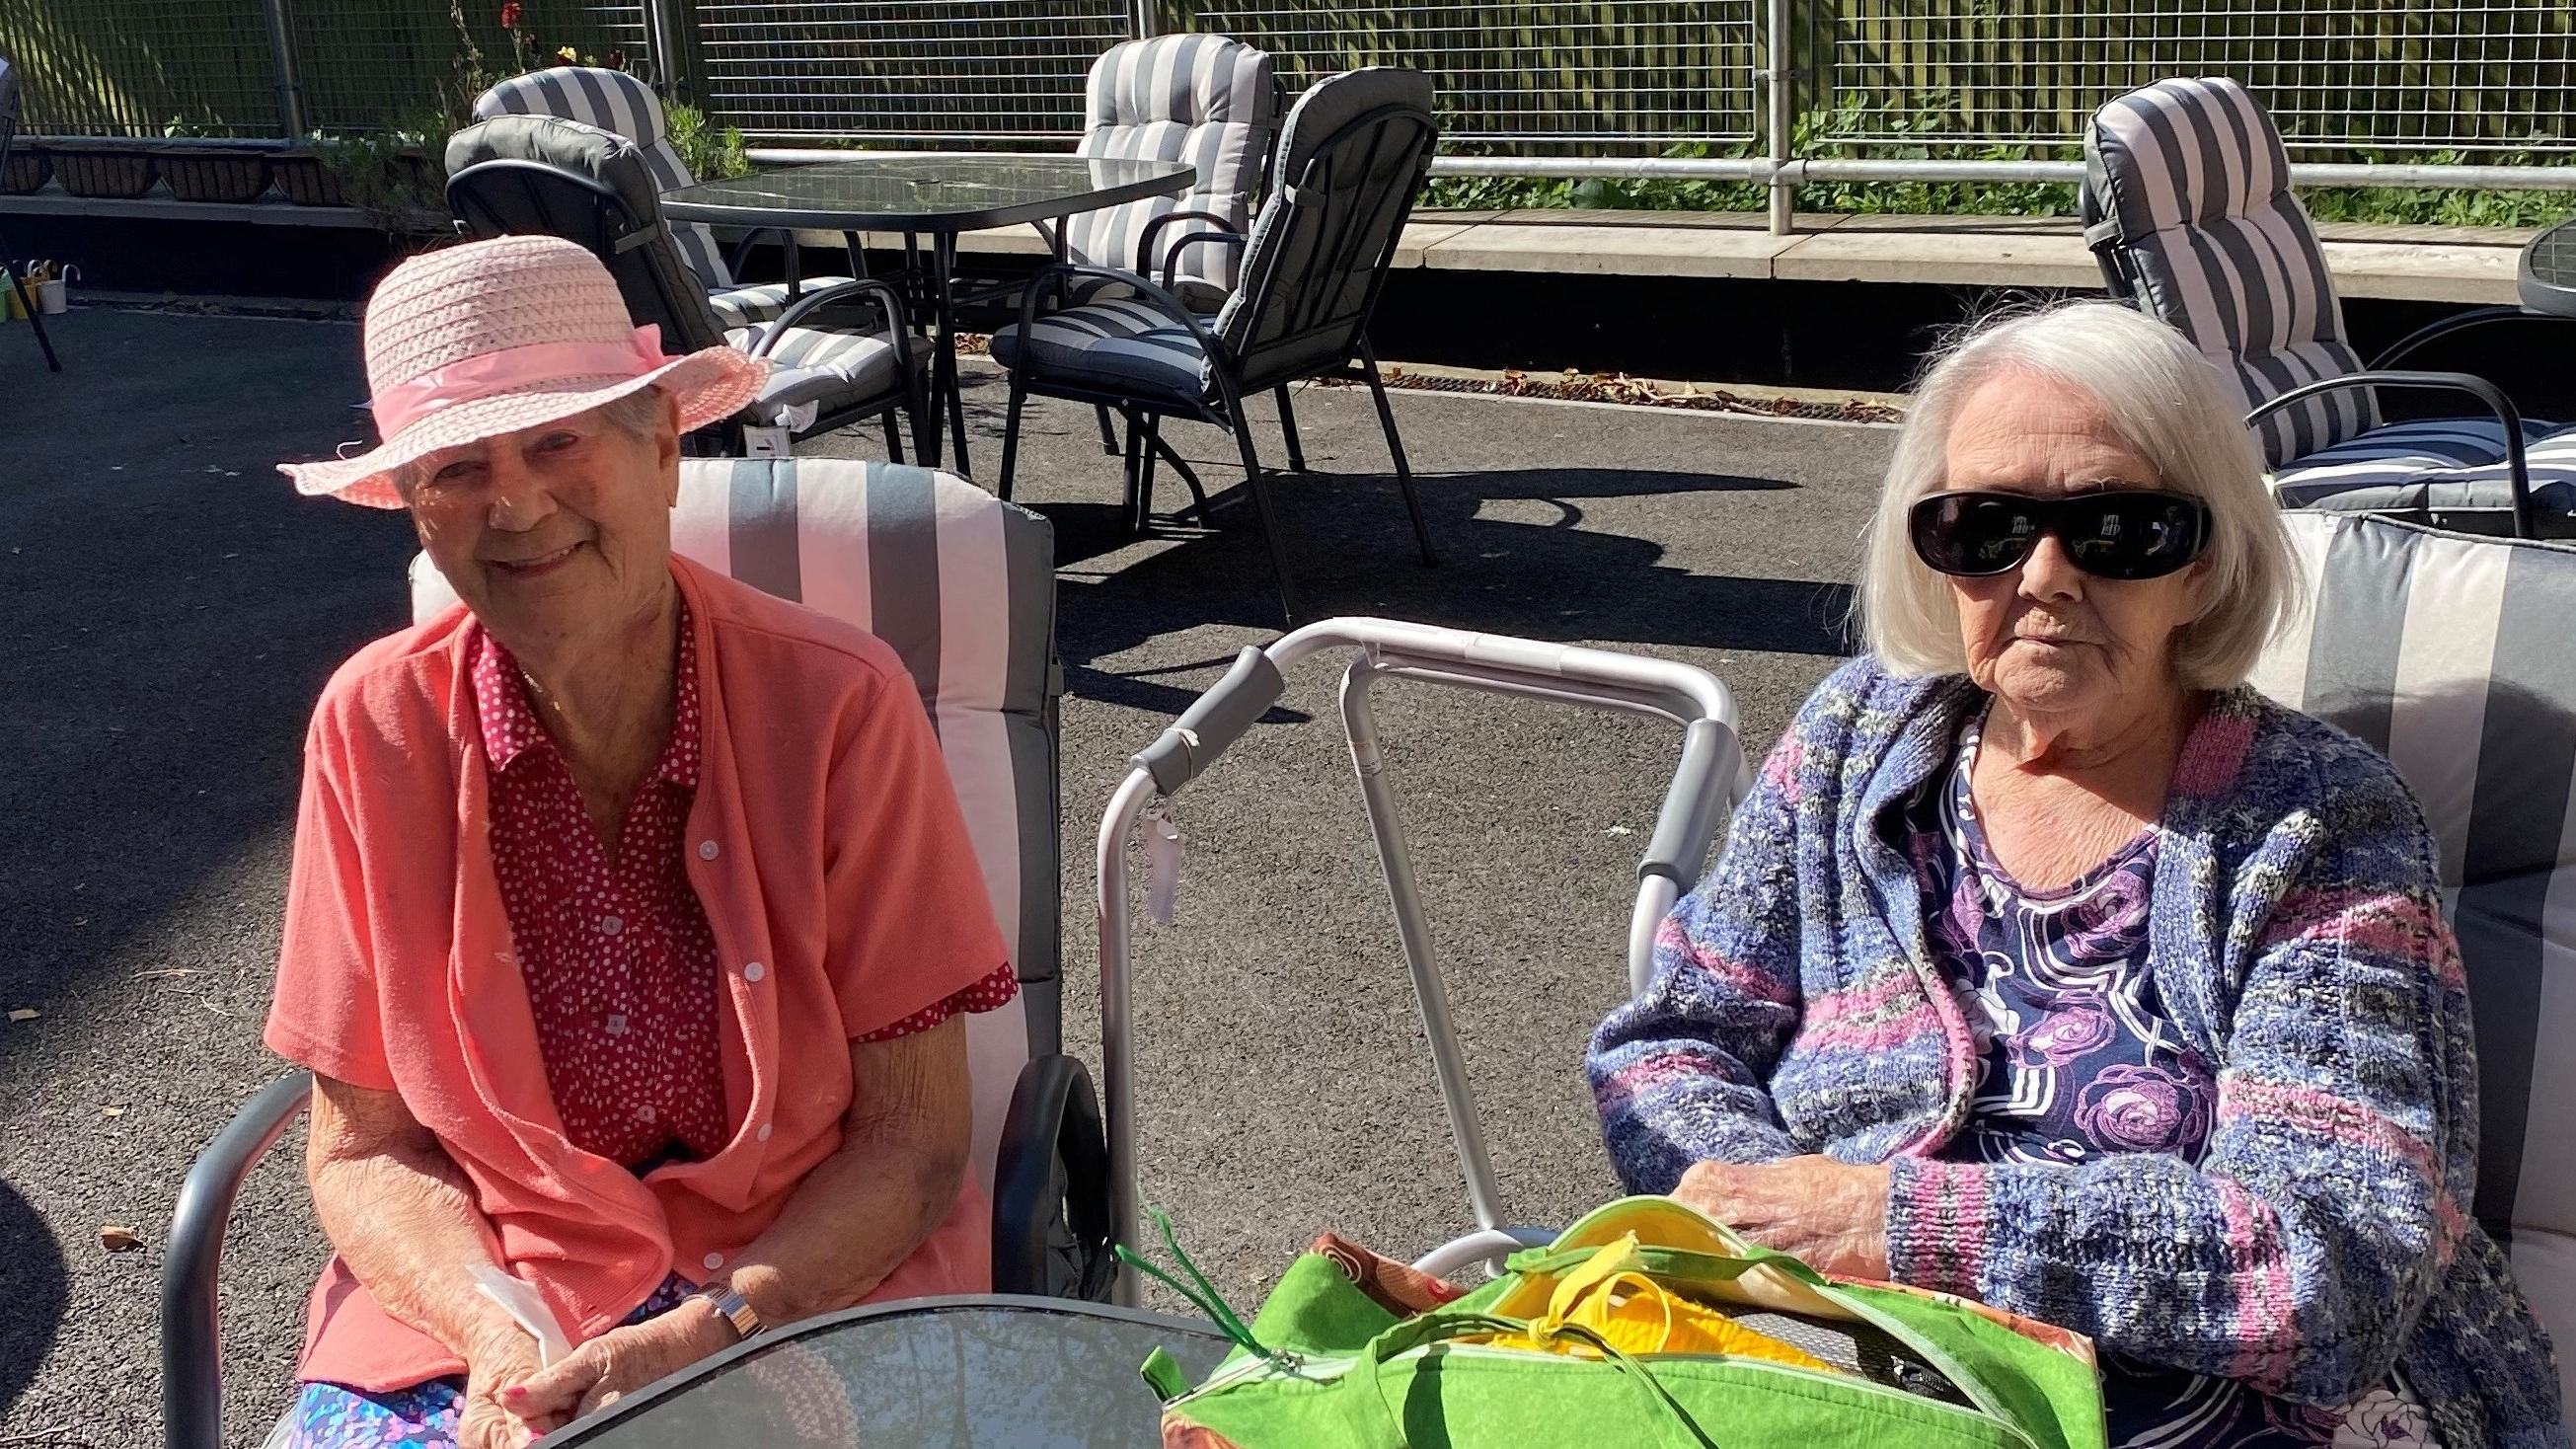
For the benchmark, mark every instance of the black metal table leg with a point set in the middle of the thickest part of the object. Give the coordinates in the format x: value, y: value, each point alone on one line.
x: 943, y: 249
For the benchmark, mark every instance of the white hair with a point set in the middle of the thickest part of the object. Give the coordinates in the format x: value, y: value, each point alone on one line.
x: 637, y: 414
x: 2168, y: 403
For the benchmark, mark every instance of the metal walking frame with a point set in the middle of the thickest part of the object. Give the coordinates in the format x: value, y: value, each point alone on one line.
x: 1710, y: 778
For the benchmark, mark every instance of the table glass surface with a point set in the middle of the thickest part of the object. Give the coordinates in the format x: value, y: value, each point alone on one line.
x: 2551, y: 256
x: 958, y: 1376
x: 932, y: 186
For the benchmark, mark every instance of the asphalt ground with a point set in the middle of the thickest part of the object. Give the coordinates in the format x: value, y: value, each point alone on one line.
x: 168, y: 609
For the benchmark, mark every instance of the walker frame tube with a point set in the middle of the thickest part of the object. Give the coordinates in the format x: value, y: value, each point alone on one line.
x: 1712, y: 776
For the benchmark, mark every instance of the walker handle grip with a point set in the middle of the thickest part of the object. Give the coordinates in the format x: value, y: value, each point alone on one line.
x: 1212, y: 723
x: 1678, y: 850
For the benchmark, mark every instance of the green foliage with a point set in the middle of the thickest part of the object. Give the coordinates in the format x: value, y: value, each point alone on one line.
x: 388, y: 173
x: 711, y: 154
x: 1833, y: 133
x: 196, y: 127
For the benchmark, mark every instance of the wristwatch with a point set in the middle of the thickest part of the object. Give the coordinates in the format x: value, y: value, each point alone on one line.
x: 733, y: 1308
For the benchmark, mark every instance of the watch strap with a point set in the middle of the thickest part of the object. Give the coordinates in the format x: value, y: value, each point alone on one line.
x: 733, y: 1308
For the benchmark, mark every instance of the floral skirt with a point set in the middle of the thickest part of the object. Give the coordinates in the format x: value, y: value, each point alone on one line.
x: 423, y: 1416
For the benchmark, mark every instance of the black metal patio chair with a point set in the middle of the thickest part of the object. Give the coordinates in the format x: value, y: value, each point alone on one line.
x: 1354, y: 154
x: 18, y: 284
x: 833, y: 366
x: 2188, y: 208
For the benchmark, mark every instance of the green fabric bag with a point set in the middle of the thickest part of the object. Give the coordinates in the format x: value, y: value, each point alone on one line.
x: 1329, y: 1364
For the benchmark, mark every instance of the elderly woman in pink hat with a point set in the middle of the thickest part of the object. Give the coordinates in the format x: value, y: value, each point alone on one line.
x: 632, y: 914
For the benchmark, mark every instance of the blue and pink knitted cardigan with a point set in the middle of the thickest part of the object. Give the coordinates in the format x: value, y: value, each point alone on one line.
x: 2297, y: 939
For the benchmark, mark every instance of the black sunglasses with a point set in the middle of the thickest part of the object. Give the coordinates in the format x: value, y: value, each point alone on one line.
x: 2135, y: 534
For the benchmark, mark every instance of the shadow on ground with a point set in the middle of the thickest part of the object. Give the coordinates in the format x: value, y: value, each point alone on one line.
x: 1542, y: 573
x: 35, y: 1286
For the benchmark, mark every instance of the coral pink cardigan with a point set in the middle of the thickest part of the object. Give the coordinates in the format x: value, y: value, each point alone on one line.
x: 826, y: 845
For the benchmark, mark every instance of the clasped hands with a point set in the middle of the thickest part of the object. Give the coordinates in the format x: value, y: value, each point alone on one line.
x: 510, y: 1401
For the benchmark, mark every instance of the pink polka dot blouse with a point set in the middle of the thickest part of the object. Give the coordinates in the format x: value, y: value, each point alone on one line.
x: 615, y: 949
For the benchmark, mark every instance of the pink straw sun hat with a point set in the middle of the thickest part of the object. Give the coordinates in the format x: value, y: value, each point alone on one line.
x: 487, y: 338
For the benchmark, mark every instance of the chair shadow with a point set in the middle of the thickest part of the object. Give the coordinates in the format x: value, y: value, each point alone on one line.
x: 1353, y: 553
x: 35, y: 1284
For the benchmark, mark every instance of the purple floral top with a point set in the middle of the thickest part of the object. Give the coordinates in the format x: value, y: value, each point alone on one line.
x: 2078, y: 1060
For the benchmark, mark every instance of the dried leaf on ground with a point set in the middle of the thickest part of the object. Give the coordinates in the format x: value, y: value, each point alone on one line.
x: 119, y: 1239
x: 24, y: 1013
x: 111, y: 1112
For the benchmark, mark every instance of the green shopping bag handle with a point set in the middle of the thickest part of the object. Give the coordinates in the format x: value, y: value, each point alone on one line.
x: 1687, y: 1264
x: 1437, y: 1327
x: 1675, y: 1262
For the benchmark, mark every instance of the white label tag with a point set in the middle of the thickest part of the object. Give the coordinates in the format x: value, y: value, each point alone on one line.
x: 1163, y: 866
x: 523, y: 1303
x: 764, y: 442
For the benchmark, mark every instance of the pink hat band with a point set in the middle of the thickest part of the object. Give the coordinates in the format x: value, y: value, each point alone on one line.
x: 512, y: 369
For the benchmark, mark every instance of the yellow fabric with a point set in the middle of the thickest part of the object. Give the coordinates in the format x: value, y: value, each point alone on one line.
x: 1612, y: 1295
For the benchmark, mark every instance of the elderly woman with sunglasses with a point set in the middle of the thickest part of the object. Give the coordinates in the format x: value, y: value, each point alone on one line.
x: 2049, y: 965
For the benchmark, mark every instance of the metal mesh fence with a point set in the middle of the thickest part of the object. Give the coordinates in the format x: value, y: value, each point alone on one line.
x: 1616, y: 77
x: 418, y: 64
x: 142, y: 67
x: 921, y: 70
x: 2474, y: 76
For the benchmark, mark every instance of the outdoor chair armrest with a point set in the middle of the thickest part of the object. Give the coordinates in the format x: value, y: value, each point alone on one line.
x: 1172, y: 254
x: 192, y: 1402
x: 898, y: 331
x: 751, y: 237
x: 2475, y: 317
x: 2516, y: 468
x: 1154, y: 228
x: 1053, y: 276
x: 1054, y: 1120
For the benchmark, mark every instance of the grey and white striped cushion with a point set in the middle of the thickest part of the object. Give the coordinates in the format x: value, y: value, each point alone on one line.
x: 761, y: 302
x: 1128, y: 347
x: 2447, y: 472
x: 963, y: 587
x: 2450, y: 655
x: 1206, y: 99
x: 833, y: 366
x: 2192, y: 191
x: 614, y: 101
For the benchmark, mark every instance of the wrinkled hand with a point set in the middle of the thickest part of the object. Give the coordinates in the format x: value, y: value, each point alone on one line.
x: 1830, y: 1214
x: 616, y: 1364
x: 491, y: 1369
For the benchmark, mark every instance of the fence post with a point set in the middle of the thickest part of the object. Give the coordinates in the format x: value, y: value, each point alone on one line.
x: 662, y: 32
x: 1775, y: 72
x: 281, y: 50
x: 1140, y: 20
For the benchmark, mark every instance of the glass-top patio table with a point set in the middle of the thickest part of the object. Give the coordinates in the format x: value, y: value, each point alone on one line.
x: 2547, y: 280
x: 938, y: 197
x: 934, y: 1373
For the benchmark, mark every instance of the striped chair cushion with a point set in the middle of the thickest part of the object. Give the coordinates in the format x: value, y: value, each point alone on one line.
x: 1130, y: 348
x: 832, y: 366
x: 2446, y: 472
x: 963, y: 587
x: 1205, y: 99
x: 2450, y: 655
x: 760, y: 302
x: 2187, y: 189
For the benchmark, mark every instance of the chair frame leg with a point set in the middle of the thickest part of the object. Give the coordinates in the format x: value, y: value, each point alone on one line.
x: 1135, y: 471
x: 1147, y: 456
x: 1259, y: 486
x: 27, y: 303
x: 1288, y: 432
x: 1011, y: 436
x: 1109, y: 443
x: 1199, y: 507
x: 893, y: 435
x: 1395, y: 449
